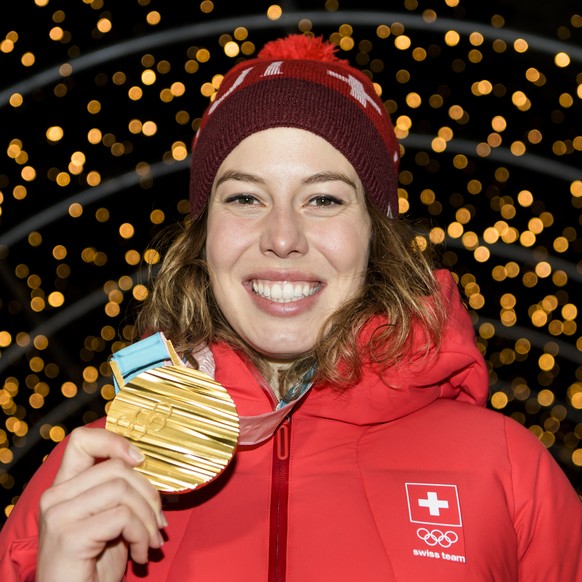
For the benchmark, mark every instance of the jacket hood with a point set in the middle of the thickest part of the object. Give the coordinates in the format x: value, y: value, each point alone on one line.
x: 456, y: 370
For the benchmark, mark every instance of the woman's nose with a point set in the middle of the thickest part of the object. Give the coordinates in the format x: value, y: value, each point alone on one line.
x: 283, y: 233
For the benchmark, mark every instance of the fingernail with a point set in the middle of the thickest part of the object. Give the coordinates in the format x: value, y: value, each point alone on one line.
x: 163, y: 520
x: 135, y: 454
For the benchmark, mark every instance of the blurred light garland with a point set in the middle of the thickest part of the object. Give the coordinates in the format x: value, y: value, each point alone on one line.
x: 98, y: 108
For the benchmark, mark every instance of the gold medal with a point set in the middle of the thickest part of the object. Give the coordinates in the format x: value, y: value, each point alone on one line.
x: 183, y: 421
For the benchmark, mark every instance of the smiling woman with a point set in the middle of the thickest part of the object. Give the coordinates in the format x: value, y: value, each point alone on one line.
x: 349, y: 357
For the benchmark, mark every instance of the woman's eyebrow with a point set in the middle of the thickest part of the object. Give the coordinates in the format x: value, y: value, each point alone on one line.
x: 320, y: 177
x: 330, y: 177
x: 240, y: 176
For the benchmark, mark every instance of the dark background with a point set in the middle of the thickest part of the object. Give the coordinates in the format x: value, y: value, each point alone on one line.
x: 79, y: 212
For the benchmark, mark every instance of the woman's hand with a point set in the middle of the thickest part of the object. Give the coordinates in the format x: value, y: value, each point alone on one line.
x: 96, y: 513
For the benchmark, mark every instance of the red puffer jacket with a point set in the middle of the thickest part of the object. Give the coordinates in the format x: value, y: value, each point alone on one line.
x: 405, y: 476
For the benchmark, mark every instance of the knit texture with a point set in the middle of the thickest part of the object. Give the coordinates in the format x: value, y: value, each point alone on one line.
x: 299, y: 82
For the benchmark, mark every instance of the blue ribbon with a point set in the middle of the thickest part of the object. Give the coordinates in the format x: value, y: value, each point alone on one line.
x: 141, y: 356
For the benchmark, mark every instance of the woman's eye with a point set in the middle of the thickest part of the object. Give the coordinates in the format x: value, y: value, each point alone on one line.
x: 325, y: 201
x: 243, y: 199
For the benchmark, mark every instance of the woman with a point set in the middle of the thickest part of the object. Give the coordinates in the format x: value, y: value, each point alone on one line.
x: 297, y: 273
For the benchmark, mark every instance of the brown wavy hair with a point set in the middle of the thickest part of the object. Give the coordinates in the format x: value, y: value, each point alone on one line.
x: 399, y: 286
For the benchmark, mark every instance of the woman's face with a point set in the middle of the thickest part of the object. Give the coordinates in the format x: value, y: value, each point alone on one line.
x: 288, y: 237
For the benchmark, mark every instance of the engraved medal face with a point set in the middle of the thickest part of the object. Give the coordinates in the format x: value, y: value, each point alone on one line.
x: 183, y: 421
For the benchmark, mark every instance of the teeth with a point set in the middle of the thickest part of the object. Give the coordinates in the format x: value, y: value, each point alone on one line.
x: 284, y: 292
x: 276, y: 292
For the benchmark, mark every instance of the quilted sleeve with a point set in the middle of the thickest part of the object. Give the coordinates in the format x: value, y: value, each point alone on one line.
x: 19, y: 536
x: 548, y: 512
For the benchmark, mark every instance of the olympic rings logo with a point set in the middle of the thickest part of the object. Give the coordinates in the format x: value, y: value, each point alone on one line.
x: 142, y: 422
x: 436, y: 536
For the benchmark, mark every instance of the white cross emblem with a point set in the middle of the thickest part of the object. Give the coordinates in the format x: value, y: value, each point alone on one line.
x: 433, y: 503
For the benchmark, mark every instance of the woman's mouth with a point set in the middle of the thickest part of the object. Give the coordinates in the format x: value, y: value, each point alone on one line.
x: 284, y: 291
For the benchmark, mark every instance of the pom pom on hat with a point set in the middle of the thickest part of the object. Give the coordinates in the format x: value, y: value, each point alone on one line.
x: 299, y: 81
x: 300, y: 46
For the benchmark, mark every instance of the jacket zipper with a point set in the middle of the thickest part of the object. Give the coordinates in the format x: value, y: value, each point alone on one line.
x: 279, y: 501
x: 279, y: 492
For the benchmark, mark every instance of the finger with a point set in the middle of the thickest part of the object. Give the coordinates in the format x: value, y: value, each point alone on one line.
x: 86, y: 445
x: 101, y: 474
x: 77, y: 547
x: 134, y: 519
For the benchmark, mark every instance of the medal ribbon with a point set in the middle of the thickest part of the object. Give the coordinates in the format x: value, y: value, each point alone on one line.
x: 156, y: 351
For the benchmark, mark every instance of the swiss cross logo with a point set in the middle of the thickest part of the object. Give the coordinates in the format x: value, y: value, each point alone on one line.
x: 436, y: 526
x: 433, y: 503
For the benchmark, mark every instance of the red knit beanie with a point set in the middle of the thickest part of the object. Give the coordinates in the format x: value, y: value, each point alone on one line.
x: 299, y: 82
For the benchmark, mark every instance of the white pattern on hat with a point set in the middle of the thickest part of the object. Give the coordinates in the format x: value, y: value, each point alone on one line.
x: 236, y: 83
x: 357, y: 90
x: 273, y: 69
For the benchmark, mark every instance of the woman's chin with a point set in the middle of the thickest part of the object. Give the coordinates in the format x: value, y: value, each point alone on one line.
x: 285, y: 353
